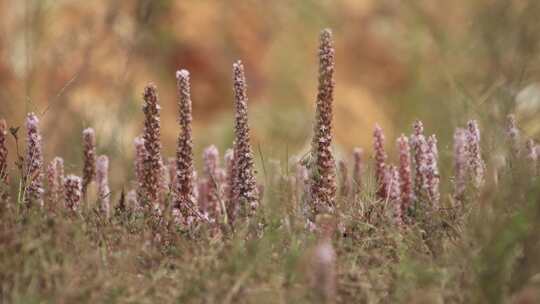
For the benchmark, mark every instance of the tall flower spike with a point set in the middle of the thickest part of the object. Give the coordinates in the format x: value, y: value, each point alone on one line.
x: 405, y: 175
x: 212, y: 180
x: 140, y: 156
x: 512, y: 132
x: 358, y: 169
x: 418, y: 145
x: 152, y: 145
x: 184, y: 206
x: 380, y: 159
x: 245, y: 185
x: 431, y: 174
x: 4, y: 176
x: 460, y: 164
x: 475, y: 164
x: 55, y: 180
x: 344, y: 183
x: 73, y: 192
x: 33, y: 172
x: 102, y: 179
x: 394, y: 194
x: 89, y: 157
x: 323, y: 171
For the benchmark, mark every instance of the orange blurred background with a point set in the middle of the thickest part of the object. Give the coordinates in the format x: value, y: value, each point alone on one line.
x: 84, y: 64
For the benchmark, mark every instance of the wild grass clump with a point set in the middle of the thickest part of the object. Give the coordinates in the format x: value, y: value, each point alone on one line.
x: 365, y: 230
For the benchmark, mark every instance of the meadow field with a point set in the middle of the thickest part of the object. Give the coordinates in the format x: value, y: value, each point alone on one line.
x: 301, y: 152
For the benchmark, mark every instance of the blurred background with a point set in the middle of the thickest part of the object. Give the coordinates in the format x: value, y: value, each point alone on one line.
x: 84, y: 64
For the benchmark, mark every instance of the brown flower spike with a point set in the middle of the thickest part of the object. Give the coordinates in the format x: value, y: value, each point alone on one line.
x: 245, y: 191
x: 184, y: 206
x: 323, y: 167
x: 152, y: 146
x: 89, y: 151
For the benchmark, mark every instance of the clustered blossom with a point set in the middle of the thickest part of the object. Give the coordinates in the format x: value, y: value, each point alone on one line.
x: 213, y: 178
x: 73, y: 192
x: 323, y: 175
x: 33, y: 171
x: 419, y: 147
x: 102, y: 179
x: 89, y: 151
x: 392, y: 182
x: 4, y: 176
x: 184, y: 204
x: 512, y: 131
x: 152, y: 145
x: 475, y: 162
x: 380, y: 162
x: 140, y: 155
x: 431, y: 172
x: 245, y: 190
x: 405, y: 174
x: 55, y: 180
x: 460, y: 163
x: 344, y: 184
x: 357, y: 171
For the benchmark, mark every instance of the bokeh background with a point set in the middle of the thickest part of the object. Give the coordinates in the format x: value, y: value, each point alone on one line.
x: 82, y: 63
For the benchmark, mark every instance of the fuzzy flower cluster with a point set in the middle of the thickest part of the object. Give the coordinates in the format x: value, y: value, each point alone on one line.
x: 431, y: 172
x: 476, y: 164
x: 140, y: 155
x: 245, y: 190
x: 380, y: 162
x: 418, y: 145
x: 33, y: 171
x: 184, y: 204
x: 55, y: 181
x: 89, y: 151
x: 152, y: 146
x: 102, y: 179
x: 323, y: 171
x: 405, y: 174
x: 4, y: 181
x: 72, y: 192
